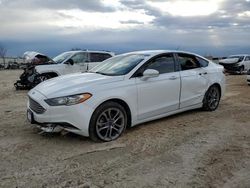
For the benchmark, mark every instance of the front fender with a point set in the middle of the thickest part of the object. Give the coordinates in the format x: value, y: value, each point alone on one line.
x: 43, y: 69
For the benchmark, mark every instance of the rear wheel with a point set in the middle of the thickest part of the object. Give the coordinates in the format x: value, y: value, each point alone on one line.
x: 212, y: 98
x: 108, y: 122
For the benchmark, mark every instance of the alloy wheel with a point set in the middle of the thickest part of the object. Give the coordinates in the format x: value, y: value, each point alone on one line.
x: 110, y: 124
x: 213, y: 98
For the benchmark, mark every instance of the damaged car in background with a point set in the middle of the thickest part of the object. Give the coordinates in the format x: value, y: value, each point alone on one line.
x: 236, y: 63
x: 28, y: 79
x: 124, y: 91
x: 41, y: 67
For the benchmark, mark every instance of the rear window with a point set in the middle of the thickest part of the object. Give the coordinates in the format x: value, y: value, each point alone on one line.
x: 203, y: 62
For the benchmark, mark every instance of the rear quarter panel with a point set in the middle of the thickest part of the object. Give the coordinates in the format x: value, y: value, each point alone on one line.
x: 216, y: 76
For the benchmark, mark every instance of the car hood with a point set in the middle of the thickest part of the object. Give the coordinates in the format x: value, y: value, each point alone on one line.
x: 30, y: 55
x: 229, y: 61
x: 74, y: 84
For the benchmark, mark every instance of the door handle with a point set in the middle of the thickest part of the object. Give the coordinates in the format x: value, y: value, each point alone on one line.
x: 173, y: 78
x: 203, y: 73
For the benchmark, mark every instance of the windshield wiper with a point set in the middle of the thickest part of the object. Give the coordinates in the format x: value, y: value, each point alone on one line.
x: 103, y: 73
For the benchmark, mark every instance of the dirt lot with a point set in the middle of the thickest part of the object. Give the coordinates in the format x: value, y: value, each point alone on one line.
x: 192, y: 149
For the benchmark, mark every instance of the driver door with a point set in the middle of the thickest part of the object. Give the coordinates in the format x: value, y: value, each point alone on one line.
x: 79, y: 65
x: 158, y: 95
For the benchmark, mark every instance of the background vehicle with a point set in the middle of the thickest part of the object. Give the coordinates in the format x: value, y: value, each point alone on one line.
x: 124, y: 91
x: 28, y: 79
x: 40, y: 67
x: 12, y: 65
x: 71, y: 62
x: 236, y: 63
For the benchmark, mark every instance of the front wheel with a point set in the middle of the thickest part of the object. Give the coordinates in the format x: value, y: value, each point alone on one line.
x: 108, y: 122
x: 241, y: 71
x: 43, y: 77
x: 212, y: 98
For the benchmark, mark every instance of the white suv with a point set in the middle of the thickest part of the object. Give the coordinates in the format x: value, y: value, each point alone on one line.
x: 71, y: 62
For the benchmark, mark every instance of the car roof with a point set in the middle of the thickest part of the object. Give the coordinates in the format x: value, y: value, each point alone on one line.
x: 156, y: 52
x: 93, y: 51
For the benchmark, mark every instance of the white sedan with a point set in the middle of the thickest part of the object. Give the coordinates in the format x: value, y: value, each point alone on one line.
x: 124, y: 91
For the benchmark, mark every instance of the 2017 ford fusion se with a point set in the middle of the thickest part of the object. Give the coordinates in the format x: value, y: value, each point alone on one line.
x: 124, y: 91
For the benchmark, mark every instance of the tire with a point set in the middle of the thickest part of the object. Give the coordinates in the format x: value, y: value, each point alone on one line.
x: 241, y: 71
x: 108, y: 122
x: 44, y: 77
x: 211, y: 99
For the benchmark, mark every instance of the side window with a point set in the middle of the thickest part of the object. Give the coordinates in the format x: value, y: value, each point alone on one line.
x: 247, y: 58
x: 98, y: 57
x: 241, y: 58
x: 163, y: 64
x: 188, y: 62
x: 202, y: 62
x: 80, y: 58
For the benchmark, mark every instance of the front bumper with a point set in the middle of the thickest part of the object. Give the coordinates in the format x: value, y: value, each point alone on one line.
x: 73, y: 118
x: 232, y: 68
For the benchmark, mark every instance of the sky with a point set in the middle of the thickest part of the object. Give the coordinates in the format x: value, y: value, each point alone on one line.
x: 206, y: 27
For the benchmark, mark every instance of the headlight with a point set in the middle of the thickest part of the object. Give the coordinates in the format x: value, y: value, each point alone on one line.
x: 68, y: 100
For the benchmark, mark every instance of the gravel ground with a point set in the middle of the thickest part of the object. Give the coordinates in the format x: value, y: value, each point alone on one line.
x: 192, y: 149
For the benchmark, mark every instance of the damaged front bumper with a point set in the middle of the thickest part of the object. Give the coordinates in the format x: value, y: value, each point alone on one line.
x: 232, y: 68
x: 49, y: 127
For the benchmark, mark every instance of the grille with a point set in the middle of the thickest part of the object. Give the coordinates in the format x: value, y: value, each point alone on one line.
x: 233, y: 67
x: 35, y: 106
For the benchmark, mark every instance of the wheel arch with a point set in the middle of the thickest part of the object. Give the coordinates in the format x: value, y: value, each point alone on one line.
x: 123, y: 104
x: 53, y: 74
x: 217, y: 85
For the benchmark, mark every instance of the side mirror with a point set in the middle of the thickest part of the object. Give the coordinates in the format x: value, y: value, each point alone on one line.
x: 69, y: 62
x: 150, y: 73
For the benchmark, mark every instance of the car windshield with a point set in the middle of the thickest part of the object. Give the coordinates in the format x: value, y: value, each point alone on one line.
x: 62, y: 57
x: 119, y: 65
x: 236, y: 57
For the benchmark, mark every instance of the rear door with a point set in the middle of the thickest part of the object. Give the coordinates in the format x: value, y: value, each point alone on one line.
x: 194, y: 79
x: 96, y: 58
x: 159, y: 95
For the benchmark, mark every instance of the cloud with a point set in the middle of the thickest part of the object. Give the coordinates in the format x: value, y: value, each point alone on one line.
x: 33, y: 5
x: 132, y: 22
x: 124, y: 25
